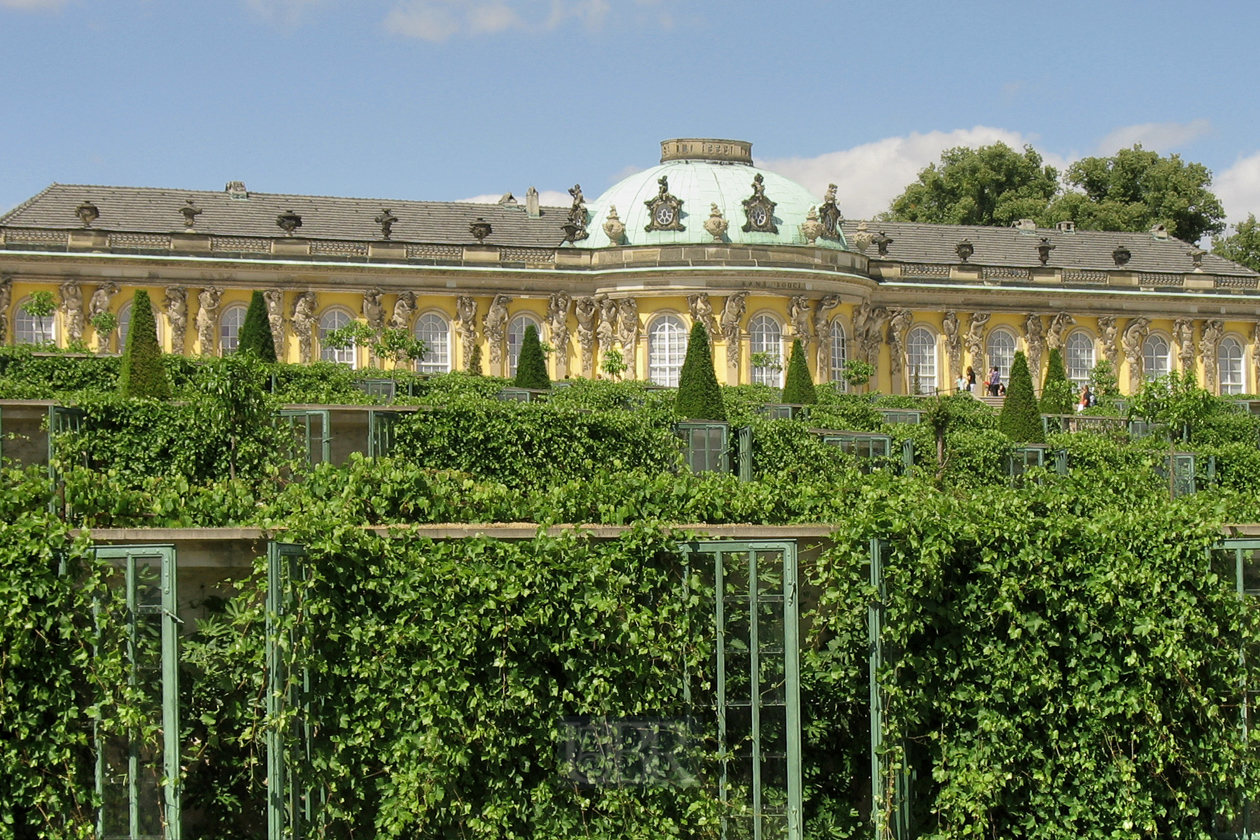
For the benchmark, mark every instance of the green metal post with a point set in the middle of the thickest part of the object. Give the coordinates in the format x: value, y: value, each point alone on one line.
x: 874, y: 629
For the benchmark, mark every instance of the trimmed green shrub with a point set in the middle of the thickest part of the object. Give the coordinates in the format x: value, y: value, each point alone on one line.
x: 699, y: 397
x: 1057, y: 393
x: 1020, y: 419
x: 799, y: 388
x: 142, y: 373
x: 531, y: 368
x: 256, y: 334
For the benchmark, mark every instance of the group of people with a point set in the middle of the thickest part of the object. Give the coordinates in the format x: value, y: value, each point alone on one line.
x: 993, y: 385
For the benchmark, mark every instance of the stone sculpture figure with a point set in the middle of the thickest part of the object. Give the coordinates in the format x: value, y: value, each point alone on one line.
x: 274, y: 298
x: 1134, y: 335
x: 466, y: 326
x: 587, y: 311
x: 953, y: 343
x: 798, y: 315
x: 6, y: 295
x: 373, y: 309
x: 977, y: 325
x: 873, y: 319
x: 898, y: 326
x: 702, y: 311
x: 1109, y: 331
x: 732, y: 314
x: 495, y: 326
x: 404, y: 308
x: 1255, y: 351
x: 207, y: 316
x: 628, y: 333
x: 177, y: 316
x: 1183, y: 334
x: 1058, y: 325
x: 101, y: 299
x: 607, y: 329
x: 558, y: 324
x: 822, y: 330
x: 304, y: 323
x: 72, y: 309
x: 1213, y: 332
x: 1035, y: 341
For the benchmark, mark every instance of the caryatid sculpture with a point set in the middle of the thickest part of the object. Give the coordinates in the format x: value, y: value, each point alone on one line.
x: 404, y: 308
x: 898, y: 326
x: 606, y: 331
x: 628, y: 333
x: 1213, y: 332
x: 495, y: 326
x: 100, y: 303
x: 732, y: 314
x: 1134, y: 334
x: 558, y: 324
x: 1109, y: 331
x: 373, y: 309
x: 207, y: 317
x: 587, y: 311
x: 303, y: 318
x: 822, y: 330
x: 177, y: 316
x: 72, y: 309
x: 466, y: 326
x: 953, y: 344
x: 274, y: 298
x: 702, y: 310
x: 1183, y: 334
x: 798, y: 316
x: 1035, y: 341
x: 6, y: 295
x: 1058, y: 325
x: 977, y: 325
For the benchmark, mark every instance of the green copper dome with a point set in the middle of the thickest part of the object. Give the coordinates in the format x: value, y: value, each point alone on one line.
x: 702, y: 174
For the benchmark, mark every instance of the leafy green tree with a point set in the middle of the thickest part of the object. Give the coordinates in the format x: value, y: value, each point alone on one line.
x: 699, y: 397
x: 1136, y: 189
x: 799, y: 388
x: 396, y: 345
x: 992, y: 185
x: 1243, y: 245
x: 1103, y: 380
x: 238, y: 402
x: 142, y: 373
x: 613, y: 364
x: 1177, y: 402
x: 856, y: 372
x: 1057, y: 393
x: 1020, y: 419
x: 531, y: 366
x: 255, y: 336
x: 104, y: 322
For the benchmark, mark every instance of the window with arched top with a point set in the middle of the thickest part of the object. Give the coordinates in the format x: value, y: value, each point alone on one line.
x: 667, y: 347
x: 230, y: 323
x: 765, y: 336
x: 921, y: 359
x: 1229, y: 365
x: 33, y: 329
x: 124, y: 325
x: 335, y: 319
x: 435, y: 331
x: 1001, y: 350
x: 839, y: 352
x: 1079, y: 357
x: 1155, y: 357
x: 516, y: 337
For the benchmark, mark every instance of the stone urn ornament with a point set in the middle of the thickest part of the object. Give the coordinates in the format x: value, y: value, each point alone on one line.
x: 862, y: 238
x: 614, y: 228
x: 716, y: 225
x: 812, y: 228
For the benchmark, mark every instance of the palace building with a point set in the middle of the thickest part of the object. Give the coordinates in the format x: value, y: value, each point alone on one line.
x: 705, y: 235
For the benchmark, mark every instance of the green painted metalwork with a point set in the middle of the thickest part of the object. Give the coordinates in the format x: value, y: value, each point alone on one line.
x: 890, y: 781
x: 139, y: 783
x: 872, y: 450
x: 744, y: 443
x: 381, y: 432
x: 61, y: 419
x: 706, y: 446
x: 312, y: 432
x: 1184, y: 470
x: 755, y: 706
x: 381, y: 389
x: 900, y: 415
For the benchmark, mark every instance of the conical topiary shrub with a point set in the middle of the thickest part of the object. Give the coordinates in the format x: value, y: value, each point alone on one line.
x: 531, y: 366
x: 799, y: 388
x: 1056, y: 392
x: 699, y: 397
x: 255, y: 336
x: 1020, y: 419
x: 142, y: 373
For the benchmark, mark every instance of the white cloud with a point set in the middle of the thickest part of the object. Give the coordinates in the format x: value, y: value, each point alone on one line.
x: 441, y: 20
x: 1158, y: 137
x: 870, y: 176
x: 33, y: 5
x: 546, y: 198
x: 1238, y: 188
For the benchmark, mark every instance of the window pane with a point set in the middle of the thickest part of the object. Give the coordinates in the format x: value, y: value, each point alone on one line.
x: 435, y: 332
x: 28, y: 329
x: 766, y: 336
x: 1002, y: 352
x: 1229, y: 356
x: 230, y: 324
x: 1080, y: 357
x: 839, y: 352
x: 667, y: 347
x: 1155, y: 357
x: 921, y: 359
x: 335, y: 319
x: 516, y: 337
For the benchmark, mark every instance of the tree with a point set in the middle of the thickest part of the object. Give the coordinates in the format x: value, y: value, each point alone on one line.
x: 531, y: 367
x: 799, y: 388
x: 1057, y: 393
x: 992, y: 185
x: 1020, y: 419
x: 1243, y: 245
x: 699, y: 397
x: 104, y: 322
x: 40, y: 306
x: 1136, y: 189
x: 399, y: 346
x: 1176, y: 401
x: 142, y: 373
x: 856, y: 372
x: 255, y: 336
x: 613, y: 364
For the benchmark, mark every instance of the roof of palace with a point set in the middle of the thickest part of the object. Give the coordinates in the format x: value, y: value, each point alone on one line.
x: 152, y: 210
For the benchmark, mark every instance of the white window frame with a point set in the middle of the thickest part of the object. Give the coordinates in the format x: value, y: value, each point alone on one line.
x: 345, y: 355
x: 516, y: 337
x: 839, y: 349
x: 25, y: 326
x: 437, y: 342
x: 921, y: 355
x: 765, y: 335
x: 1079, y: 362
x: 1154, y: 364
x: 667, y: 349
x: 230, y: 333
x: 999, y: 357
x: 1229, y: 366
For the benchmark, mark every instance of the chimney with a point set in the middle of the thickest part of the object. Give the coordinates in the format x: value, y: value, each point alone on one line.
x: 531, y: 204
x: 1065, y: 227
x: 236, y: 189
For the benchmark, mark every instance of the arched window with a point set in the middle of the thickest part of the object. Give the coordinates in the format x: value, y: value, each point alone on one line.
x: 921, y: 359
x: 1001, y: 352
x: 335, y: 319
x: 1080, y: 357
x: 32, y: 329
x: 124, y: 325
x: 667, y: 346
x: 839, y: 352
x: 230, y: 323
x: 1229, y: 365
x: 435, y: 331
x: 516, y: 336
x: 1155, y: 357
x: 766, y: 336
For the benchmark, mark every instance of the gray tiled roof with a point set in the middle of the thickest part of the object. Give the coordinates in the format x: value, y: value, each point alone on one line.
x: 1083, y: 249
x: 148, y: 210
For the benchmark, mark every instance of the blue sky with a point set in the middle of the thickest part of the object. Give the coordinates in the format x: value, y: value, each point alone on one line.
x: 452, y: 99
